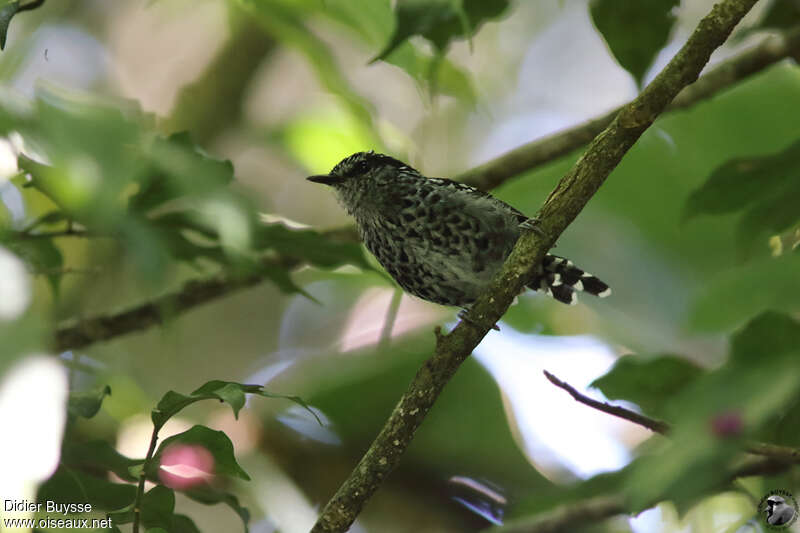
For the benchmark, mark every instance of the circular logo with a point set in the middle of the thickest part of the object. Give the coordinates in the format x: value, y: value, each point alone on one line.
x: 778, y: 509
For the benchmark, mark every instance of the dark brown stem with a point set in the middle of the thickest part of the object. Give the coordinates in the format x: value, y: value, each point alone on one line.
x: 626, y: 414
x: 782, y: 454
x: 137, y: 502
x: 562, y: 206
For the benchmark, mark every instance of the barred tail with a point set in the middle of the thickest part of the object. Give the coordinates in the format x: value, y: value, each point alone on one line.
x: 562, y: 280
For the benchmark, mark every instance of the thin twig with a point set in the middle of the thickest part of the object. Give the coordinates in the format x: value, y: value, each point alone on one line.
x: 783, y: 454
x: 566, y: 201
x: 69, y: 232
x: 652, y: 424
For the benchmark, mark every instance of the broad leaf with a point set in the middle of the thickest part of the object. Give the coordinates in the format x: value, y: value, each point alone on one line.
x: 215, y: 442
x: 310, y: 245
x: 714, y: 415
x: 648, y: 382
x: 225, y: 391
x: 634, y: 31
x: 211, y: 496
x: 68, y: 485
x: 440, y: 21
x: 765, y: 188
x: 87, y: 403
x: 96, y: 455
x: 746, y: 290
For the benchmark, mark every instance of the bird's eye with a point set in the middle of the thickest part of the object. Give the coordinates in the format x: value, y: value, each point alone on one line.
x: 361, y: 167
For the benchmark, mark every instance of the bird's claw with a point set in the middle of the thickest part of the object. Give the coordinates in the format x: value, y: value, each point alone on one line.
x: 532, y: 224
x: 463, y: 315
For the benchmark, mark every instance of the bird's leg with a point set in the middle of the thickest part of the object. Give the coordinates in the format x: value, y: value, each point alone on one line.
x: 463, y: 316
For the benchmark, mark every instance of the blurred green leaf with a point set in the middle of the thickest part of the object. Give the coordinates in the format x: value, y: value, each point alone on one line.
x: 743, y: 291
x: 216, y: 442
x: 49, y: 218
x: 310, y: 245
x: 765, y: 187
x: 7, y: 12
x: 647, y: 382
x: 772, y: 333
x: 98, y: 454
x: 43, y: 257
x: 697, y: 458
x: 781, y: 14
x: 158, y: 506
x: 70, y: 486
x: 440, y: 21
x: 634, y: 31
x: 435, y: 72
x: 183, y: 524
x: 210, y: 496
x: 87, y: 403
x: 283, y: 22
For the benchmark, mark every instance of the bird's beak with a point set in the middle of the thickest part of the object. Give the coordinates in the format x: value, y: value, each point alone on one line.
x: 326, y: 179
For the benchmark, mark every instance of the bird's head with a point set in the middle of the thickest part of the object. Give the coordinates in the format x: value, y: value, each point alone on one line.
x: 358, y: 168
x: 357, y: 177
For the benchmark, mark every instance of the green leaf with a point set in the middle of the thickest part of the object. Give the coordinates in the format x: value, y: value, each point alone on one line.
x: 766, y: 188
x: 230, y: 393
x: 747, y: 290
x: 87, y: 403
x: 761, y: 378
x: 68, y: 485
x: 440, y: 21
x: 310, y: 245
x: 158, y: 506
x: 183, y: 524
x: 647, y: 382
x: 283, y: 22
x: 7, y: 12
x: 43, y: 257
x: 216, y: 442
x: 98, y: 454
x: 233, y: 394
x: 634, y: 31
x: 170, y: 404
x: 434, y: 72
x: 211, y: 496
x: 772, y: 333
x: 49, y: 218
x: 225, y: 391
x: 781, y: 14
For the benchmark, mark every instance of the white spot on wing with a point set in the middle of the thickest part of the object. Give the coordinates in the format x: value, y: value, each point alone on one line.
x: 605, y: 293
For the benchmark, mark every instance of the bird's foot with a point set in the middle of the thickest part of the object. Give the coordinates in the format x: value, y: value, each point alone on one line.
x: 463, y: 315
x: 532, y: 224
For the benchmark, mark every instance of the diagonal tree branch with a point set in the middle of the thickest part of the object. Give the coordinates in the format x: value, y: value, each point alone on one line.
x: 527, y: 157
x: 723, y: 76
x: 562, y: 206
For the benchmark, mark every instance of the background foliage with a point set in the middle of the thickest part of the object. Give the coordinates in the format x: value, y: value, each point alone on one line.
x: 153, y: 160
